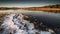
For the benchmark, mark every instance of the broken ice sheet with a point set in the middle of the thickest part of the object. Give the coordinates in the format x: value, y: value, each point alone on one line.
x: 15, y: 24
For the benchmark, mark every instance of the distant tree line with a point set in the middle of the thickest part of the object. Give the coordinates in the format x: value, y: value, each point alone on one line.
x: 53, y: 6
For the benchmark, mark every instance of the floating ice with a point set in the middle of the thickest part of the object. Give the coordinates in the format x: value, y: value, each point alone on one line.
x: 15, y: 24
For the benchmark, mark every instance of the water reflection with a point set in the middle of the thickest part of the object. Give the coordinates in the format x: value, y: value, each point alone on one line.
x: 47, y: 20
x: 50, y: 19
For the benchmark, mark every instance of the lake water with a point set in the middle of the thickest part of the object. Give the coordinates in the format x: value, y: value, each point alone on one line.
x: 48, y: 18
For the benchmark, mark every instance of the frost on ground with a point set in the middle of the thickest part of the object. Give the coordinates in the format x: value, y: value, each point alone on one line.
x: 15, y: 24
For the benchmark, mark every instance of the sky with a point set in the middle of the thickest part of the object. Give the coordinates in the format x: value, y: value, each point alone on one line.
x: 27, y: 3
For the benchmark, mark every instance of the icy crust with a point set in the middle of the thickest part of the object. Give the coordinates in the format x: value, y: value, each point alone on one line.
x: 15, y: 24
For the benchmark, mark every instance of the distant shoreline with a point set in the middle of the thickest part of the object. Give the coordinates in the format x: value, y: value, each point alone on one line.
x: 49, y: 8
x: 32, y: 8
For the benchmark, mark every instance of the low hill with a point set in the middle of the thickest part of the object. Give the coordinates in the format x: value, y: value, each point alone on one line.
x: 49, y: 7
